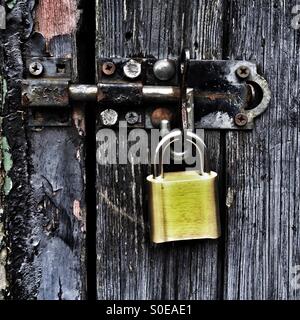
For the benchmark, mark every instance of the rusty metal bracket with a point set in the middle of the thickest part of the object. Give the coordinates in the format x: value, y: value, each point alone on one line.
x: 224, y: 94
x: 46, y: 87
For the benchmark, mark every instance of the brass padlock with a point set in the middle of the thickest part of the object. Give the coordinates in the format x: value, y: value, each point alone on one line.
x: 183, y: 205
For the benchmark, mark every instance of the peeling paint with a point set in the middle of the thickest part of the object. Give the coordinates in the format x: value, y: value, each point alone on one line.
x: 5, y: 186
x: 77, y: 210
x: 3, y: 258
x: 79, y: 120
x: 49, y: 11
x: 79, y: 214
x: 125, y: 10
x: 3, y: 84
x: 7, y: 164
x: 10, y: 3
x: 2, y: 18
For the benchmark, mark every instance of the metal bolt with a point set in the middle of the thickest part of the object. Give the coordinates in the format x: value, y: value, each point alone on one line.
x: 132, y: 117
x: 164, y: 69
x: 36, y: 68
x: 132, y: 69
x: 243, y: 72
x: 109, y: 117
x: 108, y: 68
x: 241, y: 119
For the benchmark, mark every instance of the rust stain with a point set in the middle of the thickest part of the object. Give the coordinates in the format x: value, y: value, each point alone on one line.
x: 57, y: 17
x: 213, y: 96
x: 160, y: 114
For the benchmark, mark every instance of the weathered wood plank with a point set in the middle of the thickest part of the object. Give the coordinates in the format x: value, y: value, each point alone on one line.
x: 45, y: 208
x: 128, y: 266
x: 262, y: 239
x: 5, y: 166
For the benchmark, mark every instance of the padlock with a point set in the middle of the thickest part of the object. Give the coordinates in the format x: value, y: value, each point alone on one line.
x: 183, y: 205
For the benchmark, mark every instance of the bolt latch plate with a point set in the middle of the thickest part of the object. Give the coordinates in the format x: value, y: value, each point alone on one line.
x: 227, y: 94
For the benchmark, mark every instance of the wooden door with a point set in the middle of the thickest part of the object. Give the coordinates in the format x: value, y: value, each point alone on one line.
x: 43, y: 220
x: 258, y: 254
x: 50, y: 250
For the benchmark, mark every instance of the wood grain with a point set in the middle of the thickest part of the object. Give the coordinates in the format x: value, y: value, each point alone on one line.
x: 42, y: 227
x: 128, y: 266
x: 56, y: 18
x: 262, y: 238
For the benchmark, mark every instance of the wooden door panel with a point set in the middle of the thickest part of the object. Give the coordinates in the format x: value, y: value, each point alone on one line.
x: 44, y: 210
x: 262, y: 238
x: 128, y: 266
x: 42, y: 179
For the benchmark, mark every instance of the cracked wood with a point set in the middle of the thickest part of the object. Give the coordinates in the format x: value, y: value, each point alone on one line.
x: 45, y: 209
x: 128, y: 266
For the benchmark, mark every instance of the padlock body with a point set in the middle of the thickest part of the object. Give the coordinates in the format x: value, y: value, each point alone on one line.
x: 184, y: 206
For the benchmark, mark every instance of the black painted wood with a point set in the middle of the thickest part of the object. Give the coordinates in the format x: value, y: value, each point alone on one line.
x: 45, y: 208
x: 128, y: 266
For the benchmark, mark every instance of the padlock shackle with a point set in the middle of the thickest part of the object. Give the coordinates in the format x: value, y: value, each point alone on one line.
x: 165, y: 143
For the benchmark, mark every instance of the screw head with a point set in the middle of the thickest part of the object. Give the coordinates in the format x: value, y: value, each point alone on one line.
x: 243, y: 72
x: 241, y: 119
x: 36, y: 68
x: 164, y: 69
x: 132, y: 69
x: 108, y: 68
x: 132, y: 117
x: 109, y: 117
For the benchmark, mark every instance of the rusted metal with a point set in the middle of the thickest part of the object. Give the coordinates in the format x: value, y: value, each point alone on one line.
x: 120, y: 94
x: 160, y: 114
x: 83, y: 92
x: 243, y: 72
x: 45, y: 93
x: 109, y: 117
x: 36, y: 68
x: 164, y: 69
x: 158, y: 94
x: 132, y: 69
x: 53, y: 68
x: 108, y: 68
x: 241, y: 119
x: 132, y: 117
x: 47, y: 82
x: 217, y: 90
